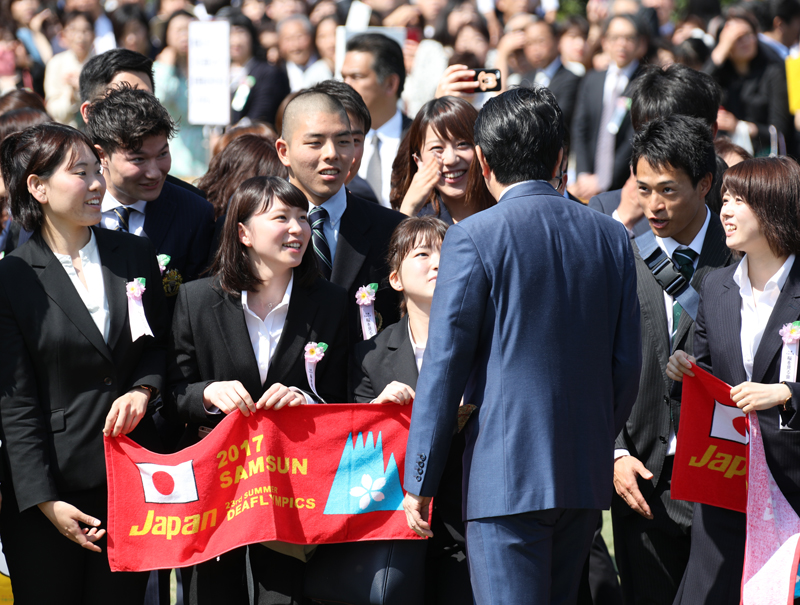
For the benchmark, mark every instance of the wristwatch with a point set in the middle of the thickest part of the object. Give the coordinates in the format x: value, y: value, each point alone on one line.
x: 154, y: 391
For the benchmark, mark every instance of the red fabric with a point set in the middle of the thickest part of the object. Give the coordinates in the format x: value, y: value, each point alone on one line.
x: 711, y: 460
x: 213, y: 496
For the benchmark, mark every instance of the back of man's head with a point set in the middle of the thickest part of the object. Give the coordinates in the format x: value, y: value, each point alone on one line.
x: 306, y: 103
x: 677, y: 141
x: 387, y: 56
x: 520, y: 134
x: 349, y: 98
x: 785, y: 10
x: 99, y: 71
x: 675, y: 89
x: 125, y: 117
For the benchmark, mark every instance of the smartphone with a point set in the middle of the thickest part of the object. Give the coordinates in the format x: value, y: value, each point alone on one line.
x: 488, y: 79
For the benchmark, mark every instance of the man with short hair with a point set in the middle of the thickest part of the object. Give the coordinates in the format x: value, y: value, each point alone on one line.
x: 350, y: 236
x: 360, y: 123
x: 780, y: 21
x: 296, y: 46
x: 674, y: 164
x: 374, y: 67
x: 535, y: 321
x: 602, y: 131
x: 131, y: 131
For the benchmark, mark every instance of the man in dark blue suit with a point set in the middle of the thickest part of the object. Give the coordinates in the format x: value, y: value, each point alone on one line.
x: 535, y: 320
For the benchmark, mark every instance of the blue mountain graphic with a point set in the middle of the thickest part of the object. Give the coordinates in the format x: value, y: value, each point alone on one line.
x: 358, y: 480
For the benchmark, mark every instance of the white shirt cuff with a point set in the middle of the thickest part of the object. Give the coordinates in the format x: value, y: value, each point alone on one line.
x: 620, y: 453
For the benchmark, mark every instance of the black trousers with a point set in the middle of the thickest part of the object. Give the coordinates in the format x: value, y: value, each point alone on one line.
x: 47, y: 567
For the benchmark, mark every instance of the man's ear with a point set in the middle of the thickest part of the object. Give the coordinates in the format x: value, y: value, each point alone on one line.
x: 103, y: 156
x: 485, y: 170
x: 391, y: 84
x: 557, y: 167
x: 282, y: 147
x: 85, y: 111
x: 704, y: 185
x: 36, y: 188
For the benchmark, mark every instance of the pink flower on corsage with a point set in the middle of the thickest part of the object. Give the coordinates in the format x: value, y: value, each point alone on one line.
x: 366, y: 294
x: 135, y: 288
x: 163, y: 261
x: 790, y: 333
x: 315, y: 351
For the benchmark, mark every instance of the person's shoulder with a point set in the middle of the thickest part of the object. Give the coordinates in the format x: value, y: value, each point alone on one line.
x: 716, y: 278
x: 377, y: 344
x: 332, y: 297
x: 606, y: 202
x: 373, y: 212
x: 203, y: 291
x: 184, y: 199
x: 108, y: 238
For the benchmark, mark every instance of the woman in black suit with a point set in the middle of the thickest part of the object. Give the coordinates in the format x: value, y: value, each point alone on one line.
x: 742, y: 309
x: 71, y: 370
x: 386, y: 370
x: 238, y: 342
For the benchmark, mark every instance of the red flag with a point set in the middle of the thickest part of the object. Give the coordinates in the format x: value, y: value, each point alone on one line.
x: 306, y: 475
x: 711, y: 459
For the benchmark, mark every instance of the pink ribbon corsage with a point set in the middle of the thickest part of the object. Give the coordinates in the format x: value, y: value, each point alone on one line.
x: 365, y: 298
x: 366, y: 294
x: 136, y: 317
x: 315, y: 351
x: 790, y: 333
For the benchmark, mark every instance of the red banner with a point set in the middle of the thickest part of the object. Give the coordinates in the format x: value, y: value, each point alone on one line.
x: 311, y: 474
x: 711, y: 459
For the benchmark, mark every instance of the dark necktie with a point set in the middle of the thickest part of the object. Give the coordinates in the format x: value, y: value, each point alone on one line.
x: 684, y: 258
x: 123, y: 216
x: 317, y: 217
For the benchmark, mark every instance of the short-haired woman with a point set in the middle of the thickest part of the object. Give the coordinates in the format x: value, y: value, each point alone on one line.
x: 742, y: 310
x: 238, y: 342
x: 72, y: 368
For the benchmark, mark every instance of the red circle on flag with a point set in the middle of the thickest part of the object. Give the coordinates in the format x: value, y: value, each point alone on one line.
x: 163, y: 482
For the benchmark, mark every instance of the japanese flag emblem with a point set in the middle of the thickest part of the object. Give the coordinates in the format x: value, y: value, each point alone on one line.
x: 168, y: 484
x: 729, y: 423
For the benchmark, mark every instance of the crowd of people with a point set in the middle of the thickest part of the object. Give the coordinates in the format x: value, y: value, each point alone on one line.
x: 621, y: 141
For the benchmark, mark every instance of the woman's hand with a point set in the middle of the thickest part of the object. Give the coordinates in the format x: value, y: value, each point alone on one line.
x: 457, y: 81
x: 126, y: 412
x: 278, y: 396
x: 423, y: 182
x: 228, y: 396
x: 37, y: 21
x: 752, y: 396
x: 679, y: 364
x: 404, y: 16
x: 726, y: 120
x: 395, y: 392
x: 67, y: 518
x: 731, y: 32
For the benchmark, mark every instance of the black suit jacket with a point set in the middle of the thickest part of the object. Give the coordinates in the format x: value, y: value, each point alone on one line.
x: 717, y: 347
x: 181, y: 225
x: 586, y: 126
x: 564, y: 86
x: 646, y: 433
x: 360, y: 259
x: 58, y: 378
x: 270, y: 88
x: 210, y: 342
x: 609, y: 201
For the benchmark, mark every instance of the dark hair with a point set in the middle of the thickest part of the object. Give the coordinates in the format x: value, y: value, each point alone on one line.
x: 785, y: 10
x: 692, y: 52
x: 98, y: 71
x: 20, y: 119
x: 39, y: 150
x: 255, y: 127
x: 413, y: 232
x: 387, y: 56
x: 771, y: 188
x: 71, y: 16
x: 19, y: 98
x: 126, y: 14
x: 246, y: 156
x: 658, y: 92
x: 165, y: 26
x: 741, y: 13
x: 125, y: 117
x: 574, y: 22
x: 352, y: 101
x: 724, y: 146
x: 232, y: 263
x: 641, y: 30
x: 441, y: 33
x: 451, y: 117
x: 714, y: 195
x: 681, y: 142
x: 237, y: 19
x: 521, y: 132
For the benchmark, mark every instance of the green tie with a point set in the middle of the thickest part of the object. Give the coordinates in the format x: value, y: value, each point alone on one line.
x: 684, y: 258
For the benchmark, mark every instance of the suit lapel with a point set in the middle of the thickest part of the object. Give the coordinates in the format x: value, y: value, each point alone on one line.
x: 158, y: 217
x: 59, y: 288
x: 730, y: 305
x: 787, y: 310
x: 400, y: 356
x: 352, y: 247
x: 714, y: 254
x: 114, y: 278
x: 303, y: 308
x: 651, y: 302
x: 230, y: 317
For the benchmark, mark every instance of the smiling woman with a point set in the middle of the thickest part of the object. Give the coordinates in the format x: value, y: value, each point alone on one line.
x: 71, y: 371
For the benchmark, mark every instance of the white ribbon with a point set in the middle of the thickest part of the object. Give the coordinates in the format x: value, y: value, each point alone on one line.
x: 369, y: 326
x: 136, y: 316
x: 311, y: 371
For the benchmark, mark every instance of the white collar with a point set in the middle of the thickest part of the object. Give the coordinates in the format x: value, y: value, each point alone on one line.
x: 110, y: 202
x: 626, y: 71
x: 414, y: 345
x: 551, y: 69
x: 392, y: 129
x: 335, y: 205
x: 284, y: 301
x: 669, y: 245
x: 742, y: 277
x: 87, y: 252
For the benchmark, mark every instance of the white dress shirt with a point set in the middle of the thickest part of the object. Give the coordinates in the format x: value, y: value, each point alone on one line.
x: 419, y: 351
x: 756, y: 309
x: 135, y: 220
x: 669, y: 246
x: 297, y: 73
x: 335, y: 206
x: 93, y: 294
x: 544, y: 76
x: 617, y: 79
x: 389, y: 136
x: 265, y: 334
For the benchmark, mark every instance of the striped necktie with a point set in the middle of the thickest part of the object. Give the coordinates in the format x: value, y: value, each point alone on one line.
x: 123, y: 216
x: 317, y: 216
x: 684, y: 258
